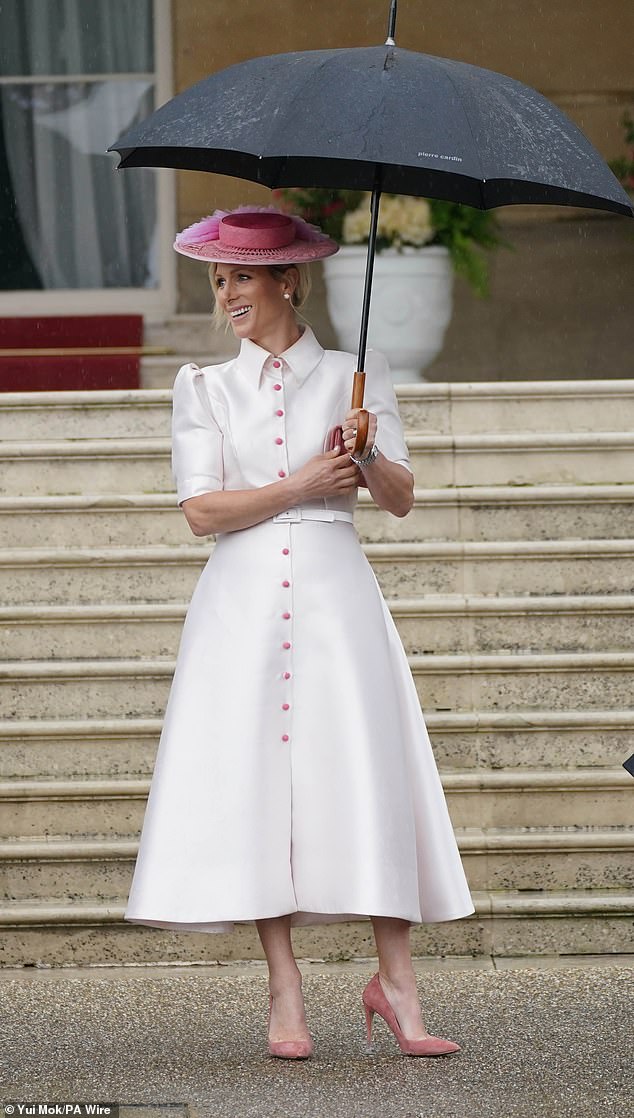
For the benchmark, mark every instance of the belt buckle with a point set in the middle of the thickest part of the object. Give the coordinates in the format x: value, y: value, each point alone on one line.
x: 291, y: 516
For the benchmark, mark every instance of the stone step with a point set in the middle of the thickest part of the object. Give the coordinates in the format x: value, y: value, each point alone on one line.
x: 463, y: 407
x: 510, y: 923
x: 534, y: 739
x: 546, y: 739
x: 72, y: 632
x: 547, y: 858
x: 524, y: 681
x: 504, y: 567
x: 510, y: 406
x: 522, y: 458
x: 118, y: 465
x: 189, y: 333
x: 519, y: 624
x: 160, y: 372
x: 478, y: 513
x: 85, y: 415
x: 83, y: 870
x: 109, y: 688
x: 443, y: 408
x: 48, y: 809
x: 403, y: 570
x: 93, y: 466
x: 583, y: 623
x: 43, y: 575
x: 504, y: 512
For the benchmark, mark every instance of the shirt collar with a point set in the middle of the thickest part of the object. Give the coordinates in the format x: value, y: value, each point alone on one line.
x: 301, y: 359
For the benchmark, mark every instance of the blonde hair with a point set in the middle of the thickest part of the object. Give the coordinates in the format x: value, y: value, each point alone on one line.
x: 278, y: 271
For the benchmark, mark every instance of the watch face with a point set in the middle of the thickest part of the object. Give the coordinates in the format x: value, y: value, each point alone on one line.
x: 370, y: 456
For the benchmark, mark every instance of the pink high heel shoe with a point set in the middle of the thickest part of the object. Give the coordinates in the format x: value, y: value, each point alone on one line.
x: 375, y: 1001
x: 288, y: 1049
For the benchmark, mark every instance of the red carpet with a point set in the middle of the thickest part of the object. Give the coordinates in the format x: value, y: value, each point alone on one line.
x: 51, y: 371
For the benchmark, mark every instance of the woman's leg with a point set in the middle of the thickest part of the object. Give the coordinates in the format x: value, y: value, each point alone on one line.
x: 397, y: 974
x: 288, y: 1018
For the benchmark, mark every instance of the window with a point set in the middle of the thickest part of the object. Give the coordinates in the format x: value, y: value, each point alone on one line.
x: 74, y: 75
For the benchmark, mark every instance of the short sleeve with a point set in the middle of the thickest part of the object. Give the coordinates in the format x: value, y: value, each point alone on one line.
x: 380, y: 398
x: 196, y: 437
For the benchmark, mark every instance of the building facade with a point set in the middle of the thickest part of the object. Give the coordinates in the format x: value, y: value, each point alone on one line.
x: 78, y: 237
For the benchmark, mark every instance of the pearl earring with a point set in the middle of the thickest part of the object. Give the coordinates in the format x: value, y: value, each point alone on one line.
x: 286, y: 295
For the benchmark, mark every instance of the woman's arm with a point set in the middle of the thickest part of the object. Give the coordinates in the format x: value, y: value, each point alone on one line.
x: 391, y: 485
x: 228, y: 510
x: 388, y: 478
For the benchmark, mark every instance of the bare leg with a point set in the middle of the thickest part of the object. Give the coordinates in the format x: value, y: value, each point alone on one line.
x: 397, y: 974
x: 288, y: 1017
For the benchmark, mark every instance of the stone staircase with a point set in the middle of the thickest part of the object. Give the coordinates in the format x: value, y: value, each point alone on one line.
x: 511, y: 583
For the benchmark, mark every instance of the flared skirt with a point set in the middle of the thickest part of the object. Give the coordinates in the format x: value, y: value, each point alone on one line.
x: 294, y: 772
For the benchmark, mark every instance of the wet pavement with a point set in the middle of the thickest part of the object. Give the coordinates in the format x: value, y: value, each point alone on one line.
x: 541, y: 1038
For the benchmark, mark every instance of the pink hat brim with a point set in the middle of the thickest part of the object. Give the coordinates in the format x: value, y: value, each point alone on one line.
x: 298, y: 252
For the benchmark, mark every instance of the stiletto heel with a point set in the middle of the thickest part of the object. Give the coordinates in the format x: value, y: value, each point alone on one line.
x: 375, y: 1001
x: 288, y: 1049
x: 369, y: 1014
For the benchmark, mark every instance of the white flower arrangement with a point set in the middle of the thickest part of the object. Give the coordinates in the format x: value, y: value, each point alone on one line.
x: 402, y: 221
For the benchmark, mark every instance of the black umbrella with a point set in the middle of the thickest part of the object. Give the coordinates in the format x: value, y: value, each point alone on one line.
x: 378, y: 119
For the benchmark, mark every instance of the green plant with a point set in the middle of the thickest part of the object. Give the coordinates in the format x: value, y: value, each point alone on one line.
x: 623, y: 166
x: 403, y: 222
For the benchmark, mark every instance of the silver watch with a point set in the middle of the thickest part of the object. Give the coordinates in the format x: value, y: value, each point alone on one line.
x: 374, y: 453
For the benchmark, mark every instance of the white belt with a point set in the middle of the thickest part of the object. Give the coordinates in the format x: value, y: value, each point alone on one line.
x: 296, y: 514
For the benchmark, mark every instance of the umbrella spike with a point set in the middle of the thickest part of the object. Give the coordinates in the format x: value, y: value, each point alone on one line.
x: 391, y: 25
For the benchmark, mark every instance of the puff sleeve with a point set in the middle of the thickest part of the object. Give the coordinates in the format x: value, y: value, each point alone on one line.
x: 196, y: 437
x: 380, y: 398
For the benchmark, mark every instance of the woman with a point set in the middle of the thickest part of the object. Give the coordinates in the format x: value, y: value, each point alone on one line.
x: 294, y: 781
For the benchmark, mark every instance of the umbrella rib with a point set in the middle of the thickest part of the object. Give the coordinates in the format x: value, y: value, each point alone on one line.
x: 481, y: 179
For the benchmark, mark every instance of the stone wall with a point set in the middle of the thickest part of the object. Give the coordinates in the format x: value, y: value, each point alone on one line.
x: 561, y: 303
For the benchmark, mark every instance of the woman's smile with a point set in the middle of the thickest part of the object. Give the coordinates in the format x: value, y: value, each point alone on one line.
x: 239, y: 312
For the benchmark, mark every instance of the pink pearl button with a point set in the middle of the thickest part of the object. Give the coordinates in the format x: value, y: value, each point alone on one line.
x: 277, y: 364
x: 286, y: 644
x: 284, y: 737
x: 285, y: 706
x: 284, y: 551
x: 286, y: 616
x: 286, y: 582
x: 287, y: 675
x: 277, y: 387
x: 281, y: 473
x: 279, y: 412
x: 279, y: 441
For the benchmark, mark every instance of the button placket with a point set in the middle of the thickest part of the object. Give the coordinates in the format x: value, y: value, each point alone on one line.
x: 285, y: 586
x: 280, y: 414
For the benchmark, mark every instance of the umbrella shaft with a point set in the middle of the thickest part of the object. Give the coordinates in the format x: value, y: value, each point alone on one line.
x: 369, y: 271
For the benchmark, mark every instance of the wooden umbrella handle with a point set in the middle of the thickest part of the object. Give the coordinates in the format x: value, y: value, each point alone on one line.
x: 363, y: 418
x: 335, y: 435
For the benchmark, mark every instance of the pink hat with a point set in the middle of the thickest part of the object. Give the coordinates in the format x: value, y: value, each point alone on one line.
x: 254, y: 235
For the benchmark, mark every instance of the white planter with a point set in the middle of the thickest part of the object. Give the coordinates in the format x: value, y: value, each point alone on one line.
x: 410, y: 307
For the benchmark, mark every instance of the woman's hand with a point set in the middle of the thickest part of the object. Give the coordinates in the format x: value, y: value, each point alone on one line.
x: 350, y: 432
x: 327, y: 475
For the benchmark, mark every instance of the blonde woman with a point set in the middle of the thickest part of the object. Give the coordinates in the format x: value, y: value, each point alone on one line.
x: 294, y: 782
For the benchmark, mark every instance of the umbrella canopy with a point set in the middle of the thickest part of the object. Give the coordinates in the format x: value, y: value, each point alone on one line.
x: 378, y: 116
x: 378, y: 119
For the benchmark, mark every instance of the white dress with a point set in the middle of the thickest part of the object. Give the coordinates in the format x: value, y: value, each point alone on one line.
x: 294, y: 773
